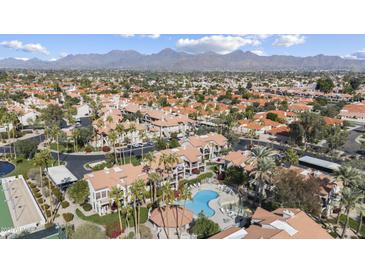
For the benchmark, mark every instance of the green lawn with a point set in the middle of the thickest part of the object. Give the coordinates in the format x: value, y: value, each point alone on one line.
x: 111, y: 218
x: 6, y: 221
x: 22, y: 168
x: 353, y: 224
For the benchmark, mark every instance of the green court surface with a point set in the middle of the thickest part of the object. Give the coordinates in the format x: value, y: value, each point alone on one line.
x: 5, y: 218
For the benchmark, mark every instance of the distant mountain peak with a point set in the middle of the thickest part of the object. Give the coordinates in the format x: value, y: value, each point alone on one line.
x: 171, y: 60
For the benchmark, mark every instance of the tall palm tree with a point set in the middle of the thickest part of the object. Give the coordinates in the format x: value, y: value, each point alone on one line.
x: 131, y: 129
x: 75, y: 136
x: 121, y: 131
x: 116, y: 194
x: 185, y: 194
x: 349, y: 177
x: 350, y: 199
x: 361, y: 209
x: 262, y: 176
x: 113, y: 138
x: 15, y: 123
x: 127, y: 213
x: 167, y: 199
x: 55, y: 132
x: 168, y: 161
x: 42, y: 159
x: 154, y: 178
x: 138, y: 193
x: 143, y: 135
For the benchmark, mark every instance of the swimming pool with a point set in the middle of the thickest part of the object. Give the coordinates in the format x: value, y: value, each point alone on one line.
x: 6, y: 167
x: 200, y: 202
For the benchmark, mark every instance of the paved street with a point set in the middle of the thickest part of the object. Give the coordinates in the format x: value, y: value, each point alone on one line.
x: 75, y: 163
x: 351, y: 146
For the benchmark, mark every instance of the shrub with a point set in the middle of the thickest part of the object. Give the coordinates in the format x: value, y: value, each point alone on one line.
x: 87, y: 207
x: 68, y: 217
x: 145, y: 232
x: 48, y: 213
x: 130, y: 235
x: 65, y: 204
x: 37, y: 195
x: 106, y: 149
x: 46, y: 206
x: 113, y: 230
x: 40, y: 201
x: 88, y: 149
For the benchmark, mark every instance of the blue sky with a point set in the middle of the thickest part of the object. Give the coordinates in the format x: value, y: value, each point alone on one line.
x: 50, y: 47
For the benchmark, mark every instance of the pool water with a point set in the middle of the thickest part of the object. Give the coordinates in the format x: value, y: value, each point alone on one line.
x: 200, y: 202
x: 6, y: 167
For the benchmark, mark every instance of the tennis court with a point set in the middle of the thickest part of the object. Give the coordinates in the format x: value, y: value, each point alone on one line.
x: 6, y: 221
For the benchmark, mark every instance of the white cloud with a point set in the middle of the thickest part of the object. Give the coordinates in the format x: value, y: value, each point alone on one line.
x: 63, y: 54
x: 127, y: 35
x: 21, y: 58
x: 289, y: 40
x: 258, y: 52
x: 360, y: 54
x: 18, y: 45
x: 217, y: 43
x: 152, y: 36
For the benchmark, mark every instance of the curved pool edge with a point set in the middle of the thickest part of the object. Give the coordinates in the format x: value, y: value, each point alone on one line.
x: 5, y: 172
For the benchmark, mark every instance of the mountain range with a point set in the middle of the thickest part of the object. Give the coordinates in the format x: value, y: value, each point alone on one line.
x: 171, y: 60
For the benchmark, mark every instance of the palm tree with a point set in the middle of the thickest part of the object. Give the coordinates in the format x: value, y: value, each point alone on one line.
x: 117, y: 194
x: 13, y: 118
x: 113, y: 138
x: 143, y: 135
x: 260, y: 152
x: 138, y: 193
x: 55, y: 132
x: 349, y: 199
x: 42, y: 159
x: 75, y: 136
x: 349, y: 177
x: 128, y: 213
x: 185, y: 194
x: 361, y: 209
x: 167, y: 199
x: 262, y: 176
x: 168, y: 161
x: 154, y: 178
x: 121, y: 131
x: 132, y: 128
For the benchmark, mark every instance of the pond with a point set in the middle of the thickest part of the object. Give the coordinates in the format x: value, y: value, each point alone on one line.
x: 6, y: 168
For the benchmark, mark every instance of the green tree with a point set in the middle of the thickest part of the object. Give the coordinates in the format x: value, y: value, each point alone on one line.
x: 116, y: 194
x: 292, y: 190
x: 235, y: 176
x: 325, y: 84
x: 203, y: 227
x: 79, y: 192
x: 291, y: 156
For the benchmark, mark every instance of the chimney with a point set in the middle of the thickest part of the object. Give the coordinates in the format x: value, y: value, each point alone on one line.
x: 287, y: 213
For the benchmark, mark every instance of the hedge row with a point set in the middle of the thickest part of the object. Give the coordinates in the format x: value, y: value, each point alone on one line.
x: 198, y: 179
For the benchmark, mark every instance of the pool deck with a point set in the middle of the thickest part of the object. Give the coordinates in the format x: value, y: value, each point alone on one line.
x: 221, y: 219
